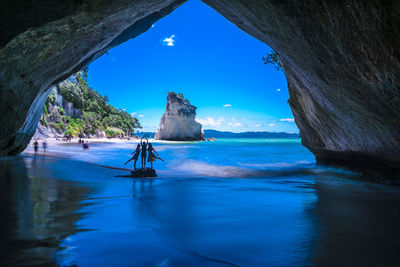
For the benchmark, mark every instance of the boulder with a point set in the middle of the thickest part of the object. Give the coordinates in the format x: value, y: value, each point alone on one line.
x: 141, y: 173
x: 178, y: 122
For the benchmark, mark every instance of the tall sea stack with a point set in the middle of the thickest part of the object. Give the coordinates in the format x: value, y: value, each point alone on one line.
x: 178, y: 122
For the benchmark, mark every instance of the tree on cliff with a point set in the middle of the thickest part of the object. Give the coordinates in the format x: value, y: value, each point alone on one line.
x: 273, y: 59
x: 97, y: 113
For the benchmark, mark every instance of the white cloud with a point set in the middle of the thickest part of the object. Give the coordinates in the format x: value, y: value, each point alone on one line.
x: 235, y: 124
x: 287, y: 119
x: 271, y: 124
x: 210, y: 121
x: 123, y: 109
x: 133, y: 113
x: 255, y: 125
x: 227, y: 105
x: 140, y: 116
x: 169, y: 41
x: 278, y: 90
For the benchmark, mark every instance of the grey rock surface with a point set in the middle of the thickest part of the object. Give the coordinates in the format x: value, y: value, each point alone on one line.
x: 341, y: 60
x: 342, y: 65
x: 43, y: 132
x: 178, y: 122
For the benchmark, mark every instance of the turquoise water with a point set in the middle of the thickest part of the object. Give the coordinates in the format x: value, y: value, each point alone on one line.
x: 241, y: 202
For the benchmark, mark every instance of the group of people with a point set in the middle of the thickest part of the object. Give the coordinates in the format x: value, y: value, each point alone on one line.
x: 36, y: 146
x: 146, y: 151
x: 85, y: 144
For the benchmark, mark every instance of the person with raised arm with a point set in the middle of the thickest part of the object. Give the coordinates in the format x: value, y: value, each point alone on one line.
x: 135, y: 156
x: 144, y: 152
x: 152, y: 155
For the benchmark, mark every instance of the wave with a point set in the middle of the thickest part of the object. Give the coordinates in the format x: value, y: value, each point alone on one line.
x: 277, y: 164
x: 249, y: 170
x: 205, y: 169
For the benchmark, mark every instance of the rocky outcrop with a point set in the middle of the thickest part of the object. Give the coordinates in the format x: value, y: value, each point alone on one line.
x: 60, y: 101
x: 340, y: 58
x: 141, y: 173
x: 45, y: 132
x: 61, y: 114
x: 178, y: 122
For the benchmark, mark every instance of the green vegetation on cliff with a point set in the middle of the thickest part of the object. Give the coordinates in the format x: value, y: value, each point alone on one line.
x: 272, y: 58
x: 96, y: 115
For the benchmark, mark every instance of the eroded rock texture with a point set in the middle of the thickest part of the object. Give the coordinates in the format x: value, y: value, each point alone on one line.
x: 178, y: 122
x: 341, y: 59
x: 44, y: 42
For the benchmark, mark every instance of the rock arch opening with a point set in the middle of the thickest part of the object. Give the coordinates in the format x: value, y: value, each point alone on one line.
x: 216, y: 66
x: 340, y: 62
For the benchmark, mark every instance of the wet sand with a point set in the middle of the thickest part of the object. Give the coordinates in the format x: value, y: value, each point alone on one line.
x: 65, y: 211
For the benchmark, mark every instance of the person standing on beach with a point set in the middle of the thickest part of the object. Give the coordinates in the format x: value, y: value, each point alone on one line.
x: 36, y: 146
x: 135, y: 156
x: 152, y: 155
x: 44, y: 145
x: 144, y: 153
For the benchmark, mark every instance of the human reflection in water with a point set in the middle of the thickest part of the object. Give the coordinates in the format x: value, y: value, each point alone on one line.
x: 37, y: 213
x: 145, y: 185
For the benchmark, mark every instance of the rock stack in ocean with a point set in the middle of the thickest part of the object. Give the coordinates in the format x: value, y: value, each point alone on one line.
x: 178, y: 122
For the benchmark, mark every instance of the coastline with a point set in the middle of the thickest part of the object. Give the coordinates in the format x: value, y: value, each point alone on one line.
x: 54, y: 141
x: 59, y: 141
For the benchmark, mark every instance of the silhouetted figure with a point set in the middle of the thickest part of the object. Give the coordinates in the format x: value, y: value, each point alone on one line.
x: 85, y: 145
x: 152, y: 155
x: 44, y: 145
x: 135, y: 156
x: 144, y: 152
x: 36, y: 146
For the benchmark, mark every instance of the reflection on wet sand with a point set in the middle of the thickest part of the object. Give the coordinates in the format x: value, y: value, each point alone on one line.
x: 357, y: 224
x: 36, y: 213
x: 305, y: 221
x: 294, y: 217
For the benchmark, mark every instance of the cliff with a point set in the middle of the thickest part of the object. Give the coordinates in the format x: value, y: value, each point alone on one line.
x: 178, y: 122
x: 73, y: 109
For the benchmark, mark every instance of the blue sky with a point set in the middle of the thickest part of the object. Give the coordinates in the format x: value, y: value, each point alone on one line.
x: 197, y: 52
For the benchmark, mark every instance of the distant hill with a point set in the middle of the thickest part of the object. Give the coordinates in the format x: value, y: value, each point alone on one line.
x: 219, y: 134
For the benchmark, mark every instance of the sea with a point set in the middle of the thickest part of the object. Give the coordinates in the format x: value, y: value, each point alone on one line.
x: 232, y: 202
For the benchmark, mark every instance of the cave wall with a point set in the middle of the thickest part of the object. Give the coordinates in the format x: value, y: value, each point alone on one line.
x: 44, y: 42
x: 341, y: 60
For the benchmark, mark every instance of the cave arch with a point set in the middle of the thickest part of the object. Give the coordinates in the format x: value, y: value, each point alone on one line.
x: 340, y: 61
